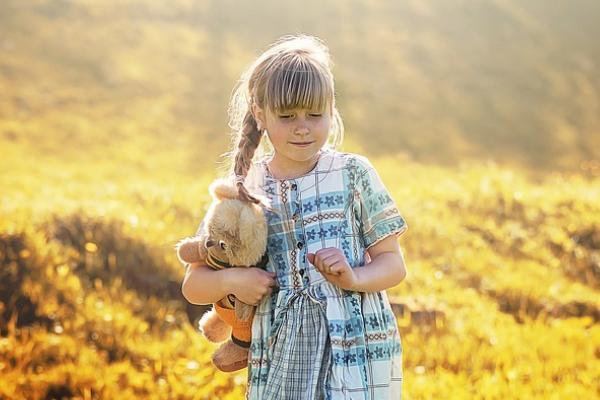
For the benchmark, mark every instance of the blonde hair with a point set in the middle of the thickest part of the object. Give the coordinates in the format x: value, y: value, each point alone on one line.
x: 294, y: 72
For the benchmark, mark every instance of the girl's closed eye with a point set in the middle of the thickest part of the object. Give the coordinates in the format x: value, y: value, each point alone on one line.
x: 290, y: 115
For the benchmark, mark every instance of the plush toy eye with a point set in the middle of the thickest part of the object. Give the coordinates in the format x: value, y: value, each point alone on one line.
x: 223, y: 245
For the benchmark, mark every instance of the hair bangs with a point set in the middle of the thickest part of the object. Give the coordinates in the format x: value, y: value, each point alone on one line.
x: 298, y: 83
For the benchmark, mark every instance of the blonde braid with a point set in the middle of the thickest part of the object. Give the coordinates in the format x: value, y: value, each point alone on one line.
x: 249, y: 141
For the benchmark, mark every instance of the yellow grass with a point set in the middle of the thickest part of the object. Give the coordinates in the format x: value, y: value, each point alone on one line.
x: 91, y: 307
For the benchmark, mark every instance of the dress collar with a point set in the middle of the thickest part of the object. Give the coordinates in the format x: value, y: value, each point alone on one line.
x: 317, y: 165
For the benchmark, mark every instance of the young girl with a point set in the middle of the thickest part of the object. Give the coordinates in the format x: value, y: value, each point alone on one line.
x: 323, y: 327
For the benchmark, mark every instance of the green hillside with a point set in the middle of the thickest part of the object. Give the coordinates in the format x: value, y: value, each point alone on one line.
x: 511, y: 81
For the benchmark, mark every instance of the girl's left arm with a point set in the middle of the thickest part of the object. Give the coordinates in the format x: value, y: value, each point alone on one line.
x: 385, y: 270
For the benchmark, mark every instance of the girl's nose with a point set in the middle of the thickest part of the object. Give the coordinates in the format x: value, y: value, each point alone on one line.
x: 301, y: 128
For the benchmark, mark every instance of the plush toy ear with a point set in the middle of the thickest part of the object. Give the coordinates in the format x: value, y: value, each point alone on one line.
x: 222, y: 189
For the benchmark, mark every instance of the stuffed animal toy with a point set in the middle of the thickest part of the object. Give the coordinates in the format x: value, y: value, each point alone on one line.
x: 234, y: 235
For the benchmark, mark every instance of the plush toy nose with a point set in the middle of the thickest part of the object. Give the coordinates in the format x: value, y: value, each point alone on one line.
x: 209, y: 243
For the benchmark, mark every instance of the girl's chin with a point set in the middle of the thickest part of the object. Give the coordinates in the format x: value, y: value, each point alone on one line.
x: 306, y: 155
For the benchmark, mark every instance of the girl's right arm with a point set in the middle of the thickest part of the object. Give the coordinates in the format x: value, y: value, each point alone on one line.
x: 203, y: 285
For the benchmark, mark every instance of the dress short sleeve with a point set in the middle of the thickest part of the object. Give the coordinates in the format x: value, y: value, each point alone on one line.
x: 375, y: 210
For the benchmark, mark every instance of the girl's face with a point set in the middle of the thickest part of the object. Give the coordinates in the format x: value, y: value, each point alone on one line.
x: 296, y: 134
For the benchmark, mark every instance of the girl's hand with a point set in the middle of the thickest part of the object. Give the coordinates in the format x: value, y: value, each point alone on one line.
x: 332, y: 263
x: 250, y: 285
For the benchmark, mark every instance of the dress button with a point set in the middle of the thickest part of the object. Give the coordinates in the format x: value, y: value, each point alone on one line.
x: 301, y: 272
x: 300, y: 244
x: 294, y: 186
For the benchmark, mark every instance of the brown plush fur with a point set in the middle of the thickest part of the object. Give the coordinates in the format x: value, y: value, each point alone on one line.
x: 214, y: 328
x: 230, y: 357
x: 236, y: 233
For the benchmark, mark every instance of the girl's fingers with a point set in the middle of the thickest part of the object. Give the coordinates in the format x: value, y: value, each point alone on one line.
x: 316, y: 260
x: 328, y: 261
x: 327, y: 252
x: 325, y: 260
x: 337, y: 269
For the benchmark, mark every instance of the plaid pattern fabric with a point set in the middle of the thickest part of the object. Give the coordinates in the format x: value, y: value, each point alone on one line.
x: 311, y: 339
x: 301, y: 352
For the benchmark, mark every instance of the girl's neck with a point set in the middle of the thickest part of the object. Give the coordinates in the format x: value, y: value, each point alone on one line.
x: 290, y: 169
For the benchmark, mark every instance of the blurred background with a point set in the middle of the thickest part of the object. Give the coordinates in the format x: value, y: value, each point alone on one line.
x: 482, y: 117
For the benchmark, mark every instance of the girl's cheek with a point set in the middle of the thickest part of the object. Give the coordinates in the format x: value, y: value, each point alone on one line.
x: 325, y: 126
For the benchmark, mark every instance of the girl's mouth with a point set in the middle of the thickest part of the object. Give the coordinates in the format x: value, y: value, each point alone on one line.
x: 302, y: 144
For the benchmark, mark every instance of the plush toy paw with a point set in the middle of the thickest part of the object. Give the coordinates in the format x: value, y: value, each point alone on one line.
x: 213, y: 327
x: 191, y: 250
x: 230, y: 357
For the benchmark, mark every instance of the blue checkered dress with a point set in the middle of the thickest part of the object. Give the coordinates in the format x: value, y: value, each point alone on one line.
x: 311, y: 339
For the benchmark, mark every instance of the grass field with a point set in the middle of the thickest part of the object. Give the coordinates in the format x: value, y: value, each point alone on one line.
x: 501, y: 298
x: 481, y: 118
